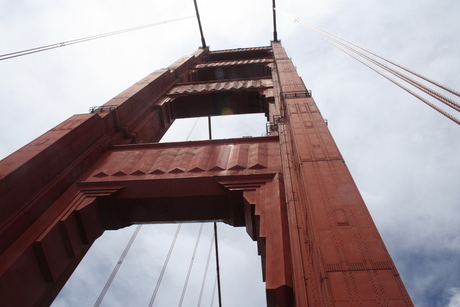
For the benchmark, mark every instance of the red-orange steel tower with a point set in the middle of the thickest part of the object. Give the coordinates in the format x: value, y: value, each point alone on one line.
x: 291, y: 189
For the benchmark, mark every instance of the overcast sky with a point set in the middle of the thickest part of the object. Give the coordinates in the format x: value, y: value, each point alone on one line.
x: 403, y: 155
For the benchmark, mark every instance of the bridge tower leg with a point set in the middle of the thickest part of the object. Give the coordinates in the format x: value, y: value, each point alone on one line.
x: 105, y: 170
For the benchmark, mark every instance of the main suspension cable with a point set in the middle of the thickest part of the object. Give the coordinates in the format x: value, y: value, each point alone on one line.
x: 117, y: 266
x: 336, y: 41
x: 391, y: 62
x: 84, y: 39
x: 451, y: 117
x: 438, y: 96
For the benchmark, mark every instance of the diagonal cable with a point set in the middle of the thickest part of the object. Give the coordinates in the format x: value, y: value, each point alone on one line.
x: 333, y: 40
x: 438, y: 96
x: 451, y: 117
x: 84, y: 39
x: 452, y: 91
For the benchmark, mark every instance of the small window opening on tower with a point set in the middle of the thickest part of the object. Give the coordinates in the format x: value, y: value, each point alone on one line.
x: 222, y: 127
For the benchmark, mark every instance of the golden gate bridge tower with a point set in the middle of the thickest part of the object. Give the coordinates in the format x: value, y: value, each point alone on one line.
x: 106, y: 170
x: 291, y: 189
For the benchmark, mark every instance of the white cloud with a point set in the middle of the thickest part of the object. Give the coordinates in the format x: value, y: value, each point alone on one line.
x: 454, y: 300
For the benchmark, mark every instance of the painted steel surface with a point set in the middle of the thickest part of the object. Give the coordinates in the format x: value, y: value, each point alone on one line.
x: 338, y: 256
x: 291, y: 190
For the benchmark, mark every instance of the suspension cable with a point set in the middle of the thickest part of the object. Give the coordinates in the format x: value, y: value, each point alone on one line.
x: 165, y: 264
x: 190, y: 265
x: 193, y: 128
x: 438, y: 96
x: 275, y: 33
x: 203, y: 42
x: 117, y: 266
x: 213, y: 291
x: 84, y: 39
x: 454, y: 119
x: 217, y: 265
x: 335, y: 41
x: 391, y: 62
x: 215, y: 238
x: 173, y: 243
x: 206, y: 271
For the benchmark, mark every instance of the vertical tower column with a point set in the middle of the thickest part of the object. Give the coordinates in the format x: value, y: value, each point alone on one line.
x: 338, y: 256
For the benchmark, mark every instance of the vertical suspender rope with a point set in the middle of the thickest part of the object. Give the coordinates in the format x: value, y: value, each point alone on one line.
x: 219, y: 294
x: 165, y: 264
x: 209, y: 127
x: 205, y: 272
x: 213, y: 292
x: 191, y: 130
x: 190, y: 265
x: 275, y: 33
x: 215, y: 236
x: 160, y: 278
x: 117, y: 266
